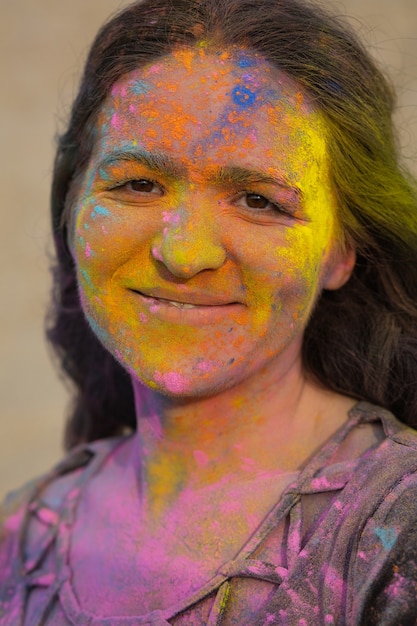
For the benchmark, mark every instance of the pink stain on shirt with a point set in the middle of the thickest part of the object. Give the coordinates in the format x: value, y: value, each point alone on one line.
x: 320, y: 483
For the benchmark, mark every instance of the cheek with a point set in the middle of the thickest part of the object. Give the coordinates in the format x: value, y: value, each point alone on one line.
x: 282, y: 278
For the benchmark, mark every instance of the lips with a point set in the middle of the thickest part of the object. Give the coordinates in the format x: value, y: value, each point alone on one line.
x: 179, y: 305
x: 188, y: 309
x: 186, y: 300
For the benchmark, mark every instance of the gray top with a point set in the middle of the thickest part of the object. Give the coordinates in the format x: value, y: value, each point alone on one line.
x: 339, y: 547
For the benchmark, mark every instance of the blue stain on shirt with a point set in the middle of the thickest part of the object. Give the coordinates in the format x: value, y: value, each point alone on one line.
x: 387, y: 536
x: 243, y: 96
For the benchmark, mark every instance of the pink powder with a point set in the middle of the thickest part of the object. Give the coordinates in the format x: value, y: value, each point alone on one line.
x: 205, y: 366
x: 320, y: 483
x: 47, y: 516
x: 173, y: 381
x: 115, y: 91
x: 156, y: 254
x: 170, y: 218
x: 119, y: 90
x: 397, y: 585
x: 88, y: 251
x: 334, y: 581
x: 201, y: 458
x: 14, y: 522
x: 155, y: 69
x: 115, y: 121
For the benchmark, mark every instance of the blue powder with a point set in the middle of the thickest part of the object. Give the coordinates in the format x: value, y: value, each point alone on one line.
x: 245, y: 61
x: 139, y: 87
x: 387, y: 536
x: 243, y: 96
x: 97, y: 330
x: 100, y: 210
x: 104, y: 174
x: 87, y: 278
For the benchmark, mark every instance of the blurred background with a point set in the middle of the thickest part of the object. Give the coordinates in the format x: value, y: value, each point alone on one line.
x: 43, y: 45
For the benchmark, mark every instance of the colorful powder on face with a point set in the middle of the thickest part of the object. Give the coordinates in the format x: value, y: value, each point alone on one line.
x: 100, y: 210
x: 186, y: 227
x: 172, y: 381
x: 140, y: 87
x: 88, y: 252
x: 243, y: 96
x: 201, y: 458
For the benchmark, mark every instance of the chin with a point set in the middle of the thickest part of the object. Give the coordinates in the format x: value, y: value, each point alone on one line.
x: 204, y: 380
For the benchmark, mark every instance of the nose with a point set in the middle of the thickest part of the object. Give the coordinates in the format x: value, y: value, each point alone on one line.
x: 188, y: 243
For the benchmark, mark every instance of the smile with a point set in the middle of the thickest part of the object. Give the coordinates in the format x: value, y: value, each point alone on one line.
x: 188, y: 313
x: 181, y: 305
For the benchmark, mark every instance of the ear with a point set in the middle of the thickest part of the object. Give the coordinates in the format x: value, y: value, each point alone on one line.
x: 339, y: 268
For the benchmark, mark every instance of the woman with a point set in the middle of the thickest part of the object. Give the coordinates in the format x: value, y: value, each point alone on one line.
x: 236, y: 284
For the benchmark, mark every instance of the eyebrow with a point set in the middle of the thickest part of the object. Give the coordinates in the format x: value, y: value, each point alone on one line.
x: 165, y: 165
x: 155, y: 161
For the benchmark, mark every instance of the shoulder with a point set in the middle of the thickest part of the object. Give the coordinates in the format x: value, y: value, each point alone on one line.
x: 384, y: 502
x: 26, y: 512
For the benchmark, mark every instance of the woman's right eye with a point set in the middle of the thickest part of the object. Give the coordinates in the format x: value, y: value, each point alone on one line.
x: 142, y: 185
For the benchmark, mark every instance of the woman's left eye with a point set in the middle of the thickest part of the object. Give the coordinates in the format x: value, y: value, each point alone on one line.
x: 257, y: 202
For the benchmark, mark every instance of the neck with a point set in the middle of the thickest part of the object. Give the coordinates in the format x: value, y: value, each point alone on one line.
x: 256, y: 428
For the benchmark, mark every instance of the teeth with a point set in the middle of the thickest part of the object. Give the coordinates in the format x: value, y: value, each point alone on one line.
x: 181, y: 305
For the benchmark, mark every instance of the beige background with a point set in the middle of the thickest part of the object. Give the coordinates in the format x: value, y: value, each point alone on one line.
x: 43, y: 44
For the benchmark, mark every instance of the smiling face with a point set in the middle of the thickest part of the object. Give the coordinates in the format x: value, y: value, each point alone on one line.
x: 204, y: 228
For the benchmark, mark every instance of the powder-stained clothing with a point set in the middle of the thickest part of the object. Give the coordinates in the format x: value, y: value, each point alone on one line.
x: 339, y: 547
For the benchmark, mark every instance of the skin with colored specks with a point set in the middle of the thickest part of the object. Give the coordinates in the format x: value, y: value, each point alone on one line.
x: 192, y: 234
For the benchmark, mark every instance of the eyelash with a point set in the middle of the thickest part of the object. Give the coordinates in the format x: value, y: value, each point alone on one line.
x: 123, y: 183
x: 275, y: 207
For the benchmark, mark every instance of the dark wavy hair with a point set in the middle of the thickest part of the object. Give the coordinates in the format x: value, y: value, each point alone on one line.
x: 361, y: 340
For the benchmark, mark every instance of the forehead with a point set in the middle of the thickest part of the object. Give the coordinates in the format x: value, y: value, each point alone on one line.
x: 231, y: 104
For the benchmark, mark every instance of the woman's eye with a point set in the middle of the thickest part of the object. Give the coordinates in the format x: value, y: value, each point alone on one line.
x: 143, y: 185
x: 256, y: 201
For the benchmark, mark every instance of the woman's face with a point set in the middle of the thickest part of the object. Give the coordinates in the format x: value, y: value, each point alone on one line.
x: 204, y: 228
